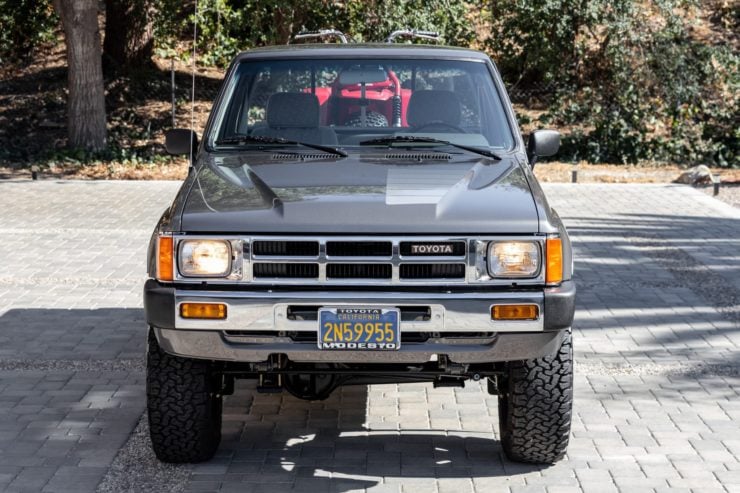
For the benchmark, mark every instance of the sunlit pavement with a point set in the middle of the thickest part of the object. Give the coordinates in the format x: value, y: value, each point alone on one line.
x: 657, y: 338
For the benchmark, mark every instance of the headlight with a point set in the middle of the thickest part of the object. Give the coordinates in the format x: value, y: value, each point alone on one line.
x: 513, y: 258
x: 205, y: 258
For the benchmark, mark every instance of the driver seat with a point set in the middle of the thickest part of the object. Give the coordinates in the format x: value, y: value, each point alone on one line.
x: 295, y: 116
x: 433, y: 106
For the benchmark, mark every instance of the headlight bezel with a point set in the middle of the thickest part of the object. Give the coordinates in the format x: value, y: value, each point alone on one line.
x: 185, y: 243
x: 236, y: 256
x: 534, y: 274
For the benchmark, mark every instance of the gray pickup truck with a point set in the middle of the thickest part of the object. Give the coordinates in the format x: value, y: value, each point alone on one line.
x: 358, y: 214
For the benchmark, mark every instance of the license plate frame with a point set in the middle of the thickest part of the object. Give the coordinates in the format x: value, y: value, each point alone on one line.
x: 342, y: 333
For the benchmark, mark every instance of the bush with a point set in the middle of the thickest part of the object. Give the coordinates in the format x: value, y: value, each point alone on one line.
x: 226, y: 27
x: 631, y: 80
x: 25, y: 24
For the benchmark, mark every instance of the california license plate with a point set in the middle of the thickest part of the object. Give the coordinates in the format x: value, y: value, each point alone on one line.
x: 374, y: 329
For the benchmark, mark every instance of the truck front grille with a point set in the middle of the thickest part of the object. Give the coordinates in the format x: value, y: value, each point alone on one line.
x: 358, y: 260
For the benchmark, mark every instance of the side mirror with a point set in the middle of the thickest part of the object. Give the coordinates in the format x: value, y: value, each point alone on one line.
x: 542, y: 143
x: 180, y: 141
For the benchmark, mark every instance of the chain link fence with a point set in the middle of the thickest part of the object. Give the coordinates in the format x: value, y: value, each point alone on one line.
x: 540, y: 92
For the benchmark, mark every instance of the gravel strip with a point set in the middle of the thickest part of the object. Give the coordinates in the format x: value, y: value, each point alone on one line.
x: 632, y: 284
x: 713, y: 287
x: 71, y: 281
x: 136, y: 468
x: 729, y: 194
x: 674, y: 369
x: 72, y: 365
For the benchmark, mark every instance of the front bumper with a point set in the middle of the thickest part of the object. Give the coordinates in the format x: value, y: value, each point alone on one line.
x: 259, y: 321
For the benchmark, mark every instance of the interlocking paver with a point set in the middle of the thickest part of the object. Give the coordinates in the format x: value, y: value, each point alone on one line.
x: 657, y: 268
x: 70, y: 285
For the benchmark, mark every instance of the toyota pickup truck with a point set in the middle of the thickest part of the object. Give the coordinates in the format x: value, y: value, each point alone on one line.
x: 357, y: 214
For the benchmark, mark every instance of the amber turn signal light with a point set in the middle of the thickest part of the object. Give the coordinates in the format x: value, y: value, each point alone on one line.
x: 209, y: 311
x: 515, y: 312
x: 554, y: 269
x: 165, y: 264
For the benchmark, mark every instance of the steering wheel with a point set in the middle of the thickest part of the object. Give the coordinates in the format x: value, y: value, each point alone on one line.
x: 439, y: 123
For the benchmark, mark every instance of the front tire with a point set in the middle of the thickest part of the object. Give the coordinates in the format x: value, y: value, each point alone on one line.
x: 535, y: 406
x: 183, y: 406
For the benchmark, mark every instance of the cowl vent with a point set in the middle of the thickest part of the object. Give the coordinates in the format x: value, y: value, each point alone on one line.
x: 418, y: 156
x: 299, y: 156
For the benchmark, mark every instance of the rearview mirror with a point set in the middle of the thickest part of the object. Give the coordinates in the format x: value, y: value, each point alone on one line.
x: 542, y: 143
x: 367, y: 75
x: 180, y: 141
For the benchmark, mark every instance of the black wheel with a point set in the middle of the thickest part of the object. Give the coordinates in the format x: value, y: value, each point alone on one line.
x: 535, y: 406
x: 183, y: 406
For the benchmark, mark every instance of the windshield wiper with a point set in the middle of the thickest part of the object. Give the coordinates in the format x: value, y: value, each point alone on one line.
x: 257, y: 139
x: 404, y: 139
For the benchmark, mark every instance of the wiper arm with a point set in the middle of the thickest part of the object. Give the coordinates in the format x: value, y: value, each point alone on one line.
x: 258, y: 139
x: 403, y: 139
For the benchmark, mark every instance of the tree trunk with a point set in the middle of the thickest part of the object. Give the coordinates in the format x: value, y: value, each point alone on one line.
x: 86, y: 101
x: 129, y: 34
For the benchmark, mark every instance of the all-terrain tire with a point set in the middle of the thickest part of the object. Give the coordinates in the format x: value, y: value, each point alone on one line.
x: 183, y: 406
x: 372, y: 119
x: 535, y: 406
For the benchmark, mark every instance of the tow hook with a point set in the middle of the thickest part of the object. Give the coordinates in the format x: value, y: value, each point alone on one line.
x: 451, y: 368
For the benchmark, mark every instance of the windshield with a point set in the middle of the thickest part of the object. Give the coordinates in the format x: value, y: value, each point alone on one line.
x: 347, y: 103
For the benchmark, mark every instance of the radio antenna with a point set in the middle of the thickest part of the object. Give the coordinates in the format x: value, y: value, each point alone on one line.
x: 192, y: 91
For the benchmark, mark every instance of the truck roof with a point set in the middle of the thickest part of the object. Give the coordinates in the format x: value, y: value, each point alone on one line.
x: 361, y: 50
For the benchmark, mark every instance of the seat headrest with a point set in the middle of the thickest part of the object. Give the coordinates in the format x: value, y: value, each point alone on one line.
x: 433, y: 106
x: 293, y: 110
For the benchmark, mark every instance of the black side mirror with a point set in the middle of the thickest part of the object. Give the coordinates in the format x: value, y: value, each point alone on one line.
x: 179, y: 141
x: 542, y: 143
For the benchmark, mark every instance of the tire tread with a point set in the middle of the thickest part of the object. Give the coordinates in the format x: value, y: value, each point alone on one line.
x: 535, y: 406
x: 184, y: 411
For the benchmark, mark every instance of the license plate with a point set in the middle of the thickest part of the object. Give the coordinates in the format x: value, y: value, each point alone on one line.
x: 372, y: 329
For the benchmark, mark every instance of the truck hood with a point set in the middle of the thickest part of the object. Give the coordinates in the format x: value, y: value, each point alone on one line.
x: 358, y: 195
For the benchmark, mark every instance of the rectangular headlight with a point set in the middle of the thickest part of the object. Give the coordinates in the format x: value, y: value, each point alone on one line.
x: 205, y: 258
x: 513, y: 258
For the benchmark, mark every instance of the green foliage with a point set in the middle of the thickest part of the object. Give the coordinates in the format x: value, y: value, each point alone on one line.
x: 626, y: 80
x: 25, y: 24
x: 631, y: 80
x: 374, y: 20
x: 227, y: 26
x: 534, y: 40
